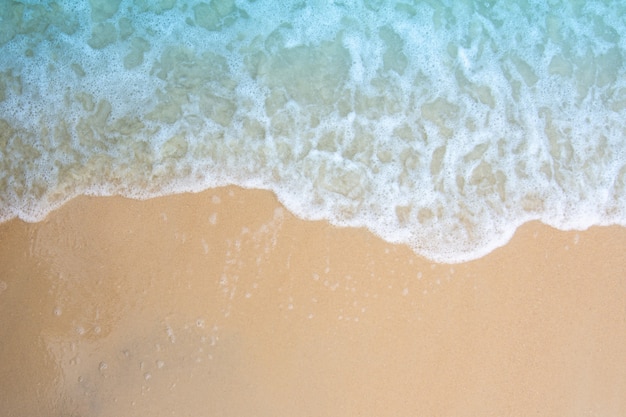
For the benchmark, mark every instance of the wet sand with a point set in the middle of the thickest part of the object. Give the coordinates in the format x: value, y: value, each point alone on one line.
x: 223, y: 304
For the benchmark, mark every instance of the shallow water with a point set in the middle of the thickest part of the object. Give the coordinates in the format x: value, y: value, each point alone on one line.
x: 442, y: 125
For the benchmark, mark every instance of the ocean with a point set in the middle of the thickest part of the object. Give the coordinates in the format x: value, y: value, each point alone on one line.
x: 442, y: 125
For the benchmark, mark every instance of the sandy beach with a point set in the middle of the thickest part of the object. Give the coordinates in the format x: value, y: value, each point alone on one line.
x: 224, y: 304
x: 437, y: 126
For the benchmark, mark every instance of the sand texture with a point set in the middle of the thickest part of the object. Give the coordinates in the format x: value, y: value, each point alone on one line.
x: 223, y: 304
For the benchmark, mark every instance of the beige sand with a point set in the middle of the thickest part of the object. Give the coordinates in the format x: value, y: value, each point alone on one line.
x: 223, y: 304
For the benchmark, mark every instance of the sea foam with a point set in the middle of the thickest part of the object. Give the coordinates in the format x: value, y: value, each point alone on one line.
x: 441, y: 125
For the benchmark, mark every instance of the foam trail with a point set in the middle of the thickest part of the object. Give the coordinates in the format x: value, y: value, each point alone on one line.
x: 440, y: 125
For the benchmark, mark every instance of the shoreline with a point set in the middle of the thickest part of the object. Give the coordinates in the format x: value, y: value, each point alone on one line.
x: 495, y: 244
x: 222, y: 302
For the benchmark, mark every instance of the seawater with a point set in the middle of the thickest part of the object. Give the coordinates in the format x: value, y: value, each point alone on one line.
x: 443, y: 125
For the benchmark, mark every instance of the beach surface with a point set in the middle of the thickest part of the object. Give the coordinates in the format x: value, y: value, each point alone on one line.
x: 222, y: 303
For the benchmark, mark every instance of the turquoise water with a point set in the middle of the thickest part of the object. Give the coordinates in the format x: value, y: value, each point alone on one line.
x: 443, y: 125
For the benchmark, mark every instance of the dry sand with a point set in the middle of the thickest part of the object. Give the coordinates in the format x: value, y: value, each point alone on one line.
x: 223, y: 304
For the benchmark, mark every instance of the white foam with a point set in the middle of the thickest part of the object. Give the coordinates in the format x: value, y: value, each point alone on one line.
x: 441, y: 127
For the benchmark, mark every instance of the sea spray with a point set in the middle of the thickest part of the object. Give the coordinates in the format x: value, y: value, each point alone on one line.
x: 438, y: 124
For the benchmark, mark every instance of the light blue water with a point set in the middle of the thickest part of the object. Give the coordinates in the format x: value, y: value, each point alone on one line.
x: 443, y: 125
